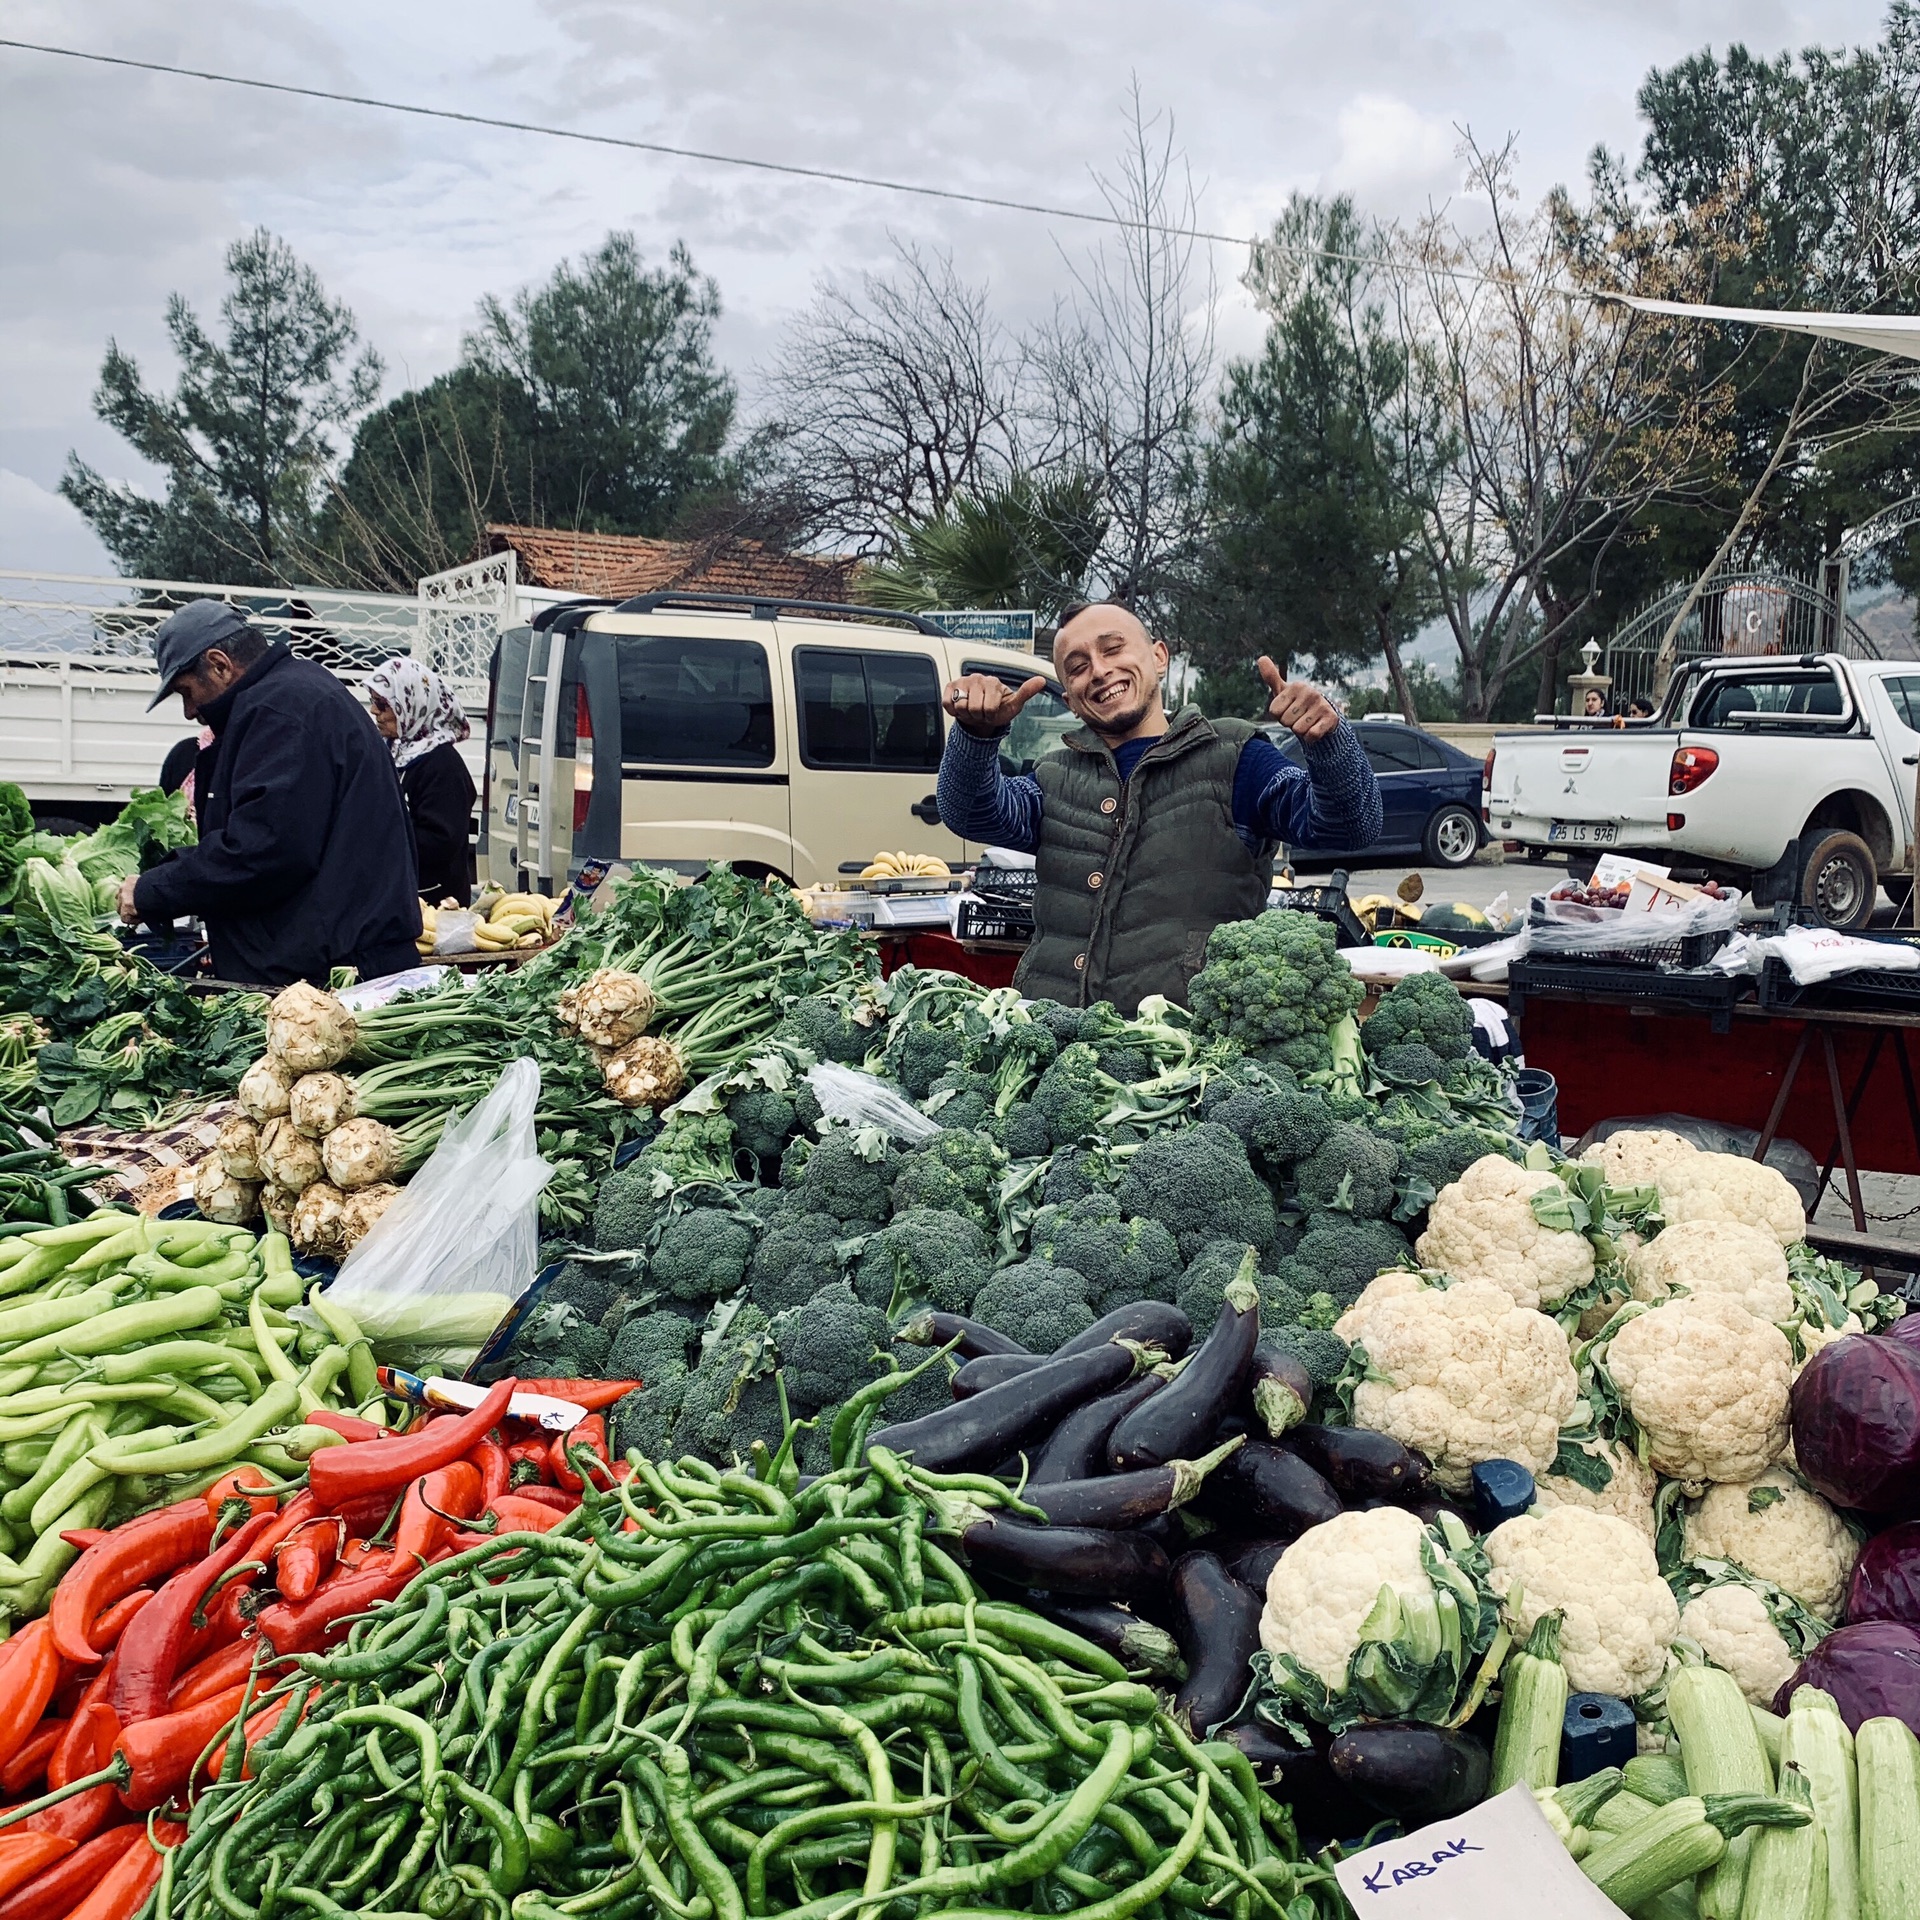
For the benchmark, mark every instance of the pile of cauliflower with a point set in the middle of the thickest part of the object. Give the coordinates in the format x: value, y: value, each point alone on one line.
x: 1467, y: 1362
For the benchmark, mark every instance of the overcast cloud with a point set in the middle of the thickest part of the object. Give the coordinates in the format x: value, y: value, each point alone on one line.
x: 122, y: 187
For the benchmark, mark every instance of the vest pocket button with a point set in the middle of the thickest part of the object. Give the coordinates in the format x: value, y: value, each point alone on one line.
x: 1094, y: 880
x: 1079, y: 963
x: 1109, y: 804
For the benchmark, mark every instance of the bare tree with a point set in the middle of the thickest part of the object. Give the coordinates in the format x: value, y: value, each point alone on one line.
x: 891, y: 397
x: 1120, y: 376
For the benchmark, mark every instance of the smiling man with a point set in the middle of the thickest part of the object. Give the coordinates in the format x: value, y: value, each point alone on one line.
x: 1147, y: 833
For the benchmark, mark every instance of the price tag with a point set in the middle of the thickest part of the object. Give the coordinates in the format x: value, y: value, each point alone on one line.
x: 1497, y: 1861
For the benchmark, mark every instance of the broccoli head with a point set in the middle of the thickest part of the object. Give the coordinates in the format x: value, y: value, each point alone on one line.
x: 1424, y: 1009
x: 1201, y: 1289
x: 694, y: 1146
x: 630, y: 1203
x: 827, y: 1346
x: 730, y: 1399
x: 1062, y: 1022
x: 798, y: 1256
x: 702, y: 1255
x: 1199, y: 1183
x: 763, y: 1120
x: 820, y: 1025
x: 1322, y: 1352
x: 931, y: 1256
x: 849, y: 1175
x: 956, y: 1170
x: 1440, y: 1158
x: 1022, y: 1132
x: 1322, y: 1311
x: 961, y: 1098
x: 917, y: 1054
x: 1339, y: 1255
x: 556, y: 1339
x: 1074, y: 1172
x: 1410, y: 1063
x: 1036, y: 1304
x: 1270, y: 980
x: 1025, y: 1052
x: 589, y: 1288
x: 1351, y: 1171
x: 1122, y: 1260
x: 1279, y: 1127
x: 793, y: 1161
x: 652, y: 1347
x: 642, y: 1421
x: 1072, y: 1095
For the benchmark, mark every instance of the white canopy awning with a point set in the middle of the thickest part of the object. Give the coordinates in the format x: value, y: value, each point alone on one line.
x: 1882, y: 332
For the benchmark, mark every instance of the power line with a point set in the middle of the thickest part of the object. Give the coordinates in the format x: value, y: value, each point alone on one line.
x: 618, y: 140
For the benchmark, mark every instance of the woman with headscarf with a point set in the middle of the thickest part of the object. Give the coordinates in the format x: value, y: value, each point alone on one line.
x: 421, y: 720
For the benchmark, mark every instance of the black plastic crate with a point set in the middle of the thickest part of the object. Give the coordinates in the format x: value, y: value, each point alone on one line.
x: 1714, y: 994
x: 990, y: 920
x: 1006, y: 886
x: 1324, y: 903
x: 1866, y: 990
x: 1688, y: 951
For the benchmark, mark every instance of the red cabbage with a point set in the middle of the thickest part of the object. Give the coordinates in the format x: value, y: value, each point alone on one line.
x: 1870, y: 1670
x: 1856, y: 1424
x: 1886, y: 1578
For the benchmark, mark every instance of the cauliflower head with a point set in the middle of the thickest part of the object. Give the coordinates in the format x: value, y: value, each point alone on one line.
x: 1715, y: 1256
x: 1728, y: 1186
x: 1635, y: 1159
x: 1707, y: 1385
x: 1325, y: 1584
x: 1777, y: 1530
x: 1465, y: 1374
x: 1600, y: 1572
x: 1731, y: 1626
x: 1482, y: 1227
x: 1627, y: 1496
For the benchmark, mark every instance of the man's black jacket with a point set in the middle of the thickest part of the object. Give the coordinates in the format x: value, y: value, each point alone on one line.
x: 305, y: 857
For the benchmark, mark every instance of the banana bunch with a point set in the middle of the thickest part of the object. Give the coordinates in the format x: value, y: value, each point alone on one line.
x: 429, y: 921
x: 905, y: 866
x: 505, y: 921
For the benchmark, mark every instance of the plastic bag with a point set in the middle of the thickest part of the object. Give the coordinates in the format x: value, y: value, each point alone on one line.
x: 1787, y: 1157
x: 453, y: 931
x: 1565, y: 926
x: 438, y: 1270
x: 861, y: 1099
x: 1814, y: 954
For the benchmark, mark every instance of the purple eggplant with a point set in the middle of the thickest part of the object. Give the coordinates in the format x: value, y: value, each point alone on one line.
x: 1361, y: 1465
x: 1261, y: 1485
x: 1252, y: 1562
x: 1154, y: 1323
x: 993, y: 1370
x: 1077, y: 1448
x: 1124, y: 1499
x: 926, y: 1327
x: 1279, y: 1390
x: 1181, y: 1422
x: 1217, y: 1622
x: 1410, y: 1772
x: 972, y: 1434
x: 1074, y: 1560
x: 1137, y: 1644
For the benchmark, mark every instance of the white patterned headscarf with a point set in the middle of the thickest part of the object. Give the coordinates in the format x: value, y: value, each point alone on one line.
x: 425, y: 712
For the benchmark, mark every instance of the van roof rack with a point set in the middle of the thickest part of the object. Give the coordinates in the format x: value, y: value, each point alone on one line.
x: 573, y: 612
x: 770, y: 609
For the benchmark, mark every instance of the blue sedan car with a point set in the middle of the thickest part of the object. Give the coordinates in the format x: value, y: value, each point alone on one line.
x: 1429, y: 790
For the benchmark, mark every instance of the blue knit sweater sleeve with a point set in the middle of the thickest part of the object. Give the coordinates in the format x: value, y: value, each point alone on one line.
x: 1331, y: 801
x: 979, y: 802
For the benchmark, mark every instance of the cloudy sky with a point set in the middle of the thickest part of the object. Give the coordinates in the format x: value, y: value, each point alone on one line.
x: 122, y: 187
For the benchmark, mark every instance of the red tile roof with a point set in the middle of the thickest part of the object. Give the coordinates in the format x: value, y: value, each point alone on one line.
x: 617, y: 564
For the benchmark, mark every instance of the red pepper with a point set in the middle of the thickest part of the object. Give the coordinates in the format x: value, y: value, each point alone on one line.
x: 307, y: 1558
x: 348, y: 1425
x: 555, y: 1498
x: 519, y: 1515
x: 336, y: 1474
x: 526, y: 1463
x: 81, y: 1538
x: 258, y: 1726
x: 295, y: 1514
x: 123, y: 1888
x: 154, y: 1648
x: 448, y: 1491
x: 247, y: 1483
x: 58, y: 1889
x: 87, y: 1747
x: 162, y: 1751
x: 565, y: 1460
x: 23, y: 1855
x: 128, y: 1557
x: 217, y: 1673
x: 86, y: 1813
x: 106, y: 1631
x: 490, y: 1457
x: 595, y: 1395
x: 30, y: 1763
x: 312, y: 1625
x: 26, y: 1685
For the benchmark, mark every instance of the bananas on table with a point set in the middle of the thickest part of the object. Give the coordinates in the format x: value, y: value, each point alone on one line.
x: 905, y: 866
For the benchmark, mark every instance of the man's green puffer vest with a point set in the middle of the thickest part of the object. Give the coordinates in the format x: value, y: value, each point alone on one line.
x: 1134, y: 874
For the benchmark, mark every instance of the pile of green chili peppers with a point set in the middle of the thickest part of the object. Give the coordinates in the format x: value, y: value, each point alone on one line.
x: 715, y: 1694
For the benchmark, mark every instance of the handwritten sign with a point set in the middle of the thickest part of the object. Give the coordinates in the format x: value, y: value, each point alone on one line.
x: 1497, y: 1861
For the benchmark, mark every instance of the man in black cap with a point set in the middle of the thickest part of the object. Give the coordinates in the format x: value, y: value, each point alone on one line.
x: 305, y: 859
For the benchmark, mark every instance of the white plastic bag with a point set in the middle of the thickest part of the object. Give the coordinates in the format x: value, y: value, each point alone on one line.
x: 1814, y: 954
x: 439, y: 1268
x: 1566, y: 926
x: 861, y: 1099
x: 453, y: 931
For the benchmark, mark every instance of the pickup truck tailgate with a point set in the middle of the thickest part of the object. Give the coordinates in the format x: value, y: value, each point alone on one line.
x: 1598, y: 776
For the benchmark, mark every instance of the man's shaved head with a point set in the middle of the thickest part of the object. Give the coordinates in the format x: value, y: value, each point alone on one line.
x: 1111, y: 668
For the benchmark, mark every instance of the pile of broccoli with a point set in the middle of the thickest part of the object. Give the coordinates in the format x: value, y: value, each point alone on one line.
x: 1276, y: 986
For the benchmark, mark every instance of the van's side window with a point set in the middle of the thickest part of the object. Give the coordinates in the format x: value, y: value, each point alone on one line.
x: 878, y: 712
x: 1038, y: 728
x: 695, y: 702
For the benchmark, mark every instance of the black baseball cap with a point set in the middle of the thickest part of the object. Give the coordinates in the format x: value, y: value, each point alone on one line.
x: 183, y: 636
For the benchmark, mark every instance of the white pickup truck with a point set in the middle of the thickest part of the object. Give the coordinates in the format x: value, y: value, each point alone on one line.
x: 1791, y: 778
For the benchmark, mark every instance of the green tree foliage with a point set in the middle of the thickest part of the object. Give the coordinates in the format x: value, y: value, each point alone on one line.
x: 246, y: 436
x: 591, y: 401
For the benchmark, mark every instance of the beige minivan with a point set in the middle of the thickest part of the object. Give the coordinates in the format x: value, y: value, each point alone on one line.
x: 788, y: 737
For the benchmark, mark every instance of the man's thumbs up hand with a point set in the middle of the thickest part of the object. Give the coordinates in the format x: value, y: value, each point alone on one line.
x: 1303, y: 710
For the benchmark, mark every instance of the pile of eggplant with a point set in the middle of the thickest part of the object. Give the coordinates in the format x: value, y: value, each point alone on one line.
x: 1172, y: 1478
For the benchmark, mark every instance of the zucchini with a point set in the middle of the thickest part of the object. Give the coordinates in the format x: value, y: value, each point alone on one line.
x: 1769, y: 1726
x: 1624, y: 1810
x: 1581, y: 1800
x: 1887, y: 1762
x: 1721, y: 1749
x: 1787, y: 1868
x: 1533, y: 1711
x: 1658, y: 1777
x: 1689, y: 1836
x: 1818, y: 1743
x: 1670, y: 1903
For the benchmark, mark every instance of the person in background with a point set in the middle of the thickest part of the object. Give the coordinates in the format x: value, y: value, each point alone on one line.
x: 1594, y: 706
x: 176, y: 770
x: 1147, y: 832
x: 422, y: 724
x: 1639, y: 708
x: 304, y: 861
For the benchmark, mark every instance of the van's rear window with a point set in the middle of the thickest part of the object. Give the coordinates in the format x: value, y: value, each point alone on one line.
x: 694, y: 702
